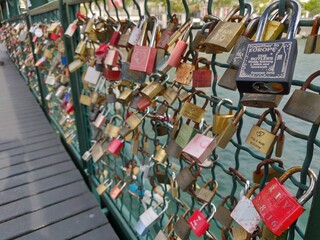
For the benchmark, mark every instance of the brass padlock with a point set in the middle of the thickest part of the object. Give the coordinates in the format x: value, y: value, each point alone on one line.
x: 304, y: 104
x: 112, y: 130
x: 261, y: 139
x: 226, y: 135
x: 134, y: 121
x: 160, y: 174
x: 125, y: 96
x: 312, y: 38
x: 222, y: 214
x: 182, y: 228
x: 104, y: 186
x: 220, y: 121
x: 185, y: 70
x: 261, y: 100
x: 268, y: 235
x: 228, y: 79
x: 258, y: 174
x: 161, y: 155
x: 186, y: 178
x: 206, y: 195
x: 155, y: 87
x: 173, y: 149
x: 226, y: 33
x: 85, y: 99
x: 161, y: 235
x: 192, y: 111
x: 170, y: 94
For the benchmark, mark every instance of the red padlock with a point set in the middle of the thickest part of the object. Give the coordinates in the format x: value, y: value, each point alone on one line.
x: 143, y: 103
x: 199, y: 222
x: 202, y: 77
x: 277, y: 207
x: 102, y: 50
x: 112, y: 73
x: 179, y: 49
x: 115, y: 146
x: 115, y: 37
x: 69, y: 108
x: 144, y: 57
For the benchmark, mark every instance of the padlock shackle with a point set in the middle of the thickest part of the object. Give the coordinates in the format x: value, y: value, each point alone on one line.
x: 143, y: 33
x: 248, y: 7
x: 224, y: 100
x: 154, y: 31
x: 187, y: 31
x: 251, y: 28
x: 252, y: 190
x: 279, y: 120
x: 224, y: 200
x: 238, y: 116
x: 194, y: 94
x: 114, y: 117
x: 294, y: 21
x: 237, y: 174
x: 309, y: 80
x: 194, y: 60
x: 108, y: 182
x: 204, y: 61
x: 266, y: 162
x: 312, y: 177
x: 315, y: 26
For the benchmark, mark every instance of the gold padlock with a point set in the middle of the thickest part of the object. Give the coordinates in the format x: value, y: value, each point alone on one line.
x: 113, y: 130
x: 220, y: 121
x: 192, y: 111
x: 261, y: 139
x: 134, y: 121
x: 155, y: 87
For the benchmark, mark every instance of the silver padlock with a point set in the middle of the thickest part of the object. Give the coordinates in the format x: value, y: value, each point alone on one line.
x: 148, y: 218
x: 86, y: 156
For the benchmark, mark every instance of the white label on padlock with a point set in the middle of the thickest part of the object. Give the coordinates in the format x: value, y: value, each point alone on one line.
x: 246, y: 215
x: 148, y: 217
x: 92, y: 76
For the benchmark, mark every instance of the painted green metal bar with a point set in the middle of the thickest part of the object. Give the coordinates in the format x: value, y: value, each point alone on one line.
x: 37, y: 3
x: 48, y: 7
x: 80, y: 119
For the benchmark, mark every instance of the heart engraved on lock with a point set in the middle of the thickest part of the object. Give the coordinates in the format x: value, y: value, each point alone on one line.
x: 140, y: 56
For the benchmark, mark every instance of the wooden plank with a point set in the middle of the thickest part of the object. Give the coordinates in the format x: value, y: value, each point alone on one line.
x: 46, y: 216
x: 41, y: 153
x: 20, y: 110
x: 27, y: 117
x: 42, y: 200
x: 37, y: 187
x: 24, y: 124
x: 30, y: 148
x: 30, y: 141
x: 13, y: 130
x: 71, y: 227
x: 37, y: 175
x: 26, y: 141
x: 103, y: 232
x: 33, y: 165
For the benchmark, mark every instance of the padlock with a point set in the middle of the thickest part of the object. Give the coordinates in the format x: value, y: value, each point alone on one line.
x: 226, y: 33
x: 97, y: 150
x: 115, y: 146
x: 192, y: 111
x: 101, y: 119
x: 220, y: 121
x: 143, y: 103
x: 131, y: 75
x: 168, y: 32
x: 125, y: 96
x: 81, y: 48
x: 273, y: 72
x: 89, y: 24
x: 104, y: 186
x: 92, y: 75
x: 115, y: 36
x: 156, y: 87
x: 268, y: 235
x: 185, y: 134
x: 182, y: 228
x: 85, y: 99
x: 245, y: 213
x: 136, y: 32
x: 222, y: 214
x: 133, y: 121
x: 239, y: 233
x: 202, y: 77
x: 160, y: 128
x: 60, y: 91
x: 143, y: 57
x: 113, y: 130
x: 186, y: 177
x: 173, y: 149
x: 75, y: 65
x: 200, y: 147
x: 161, y: 155
x: 304, y: 104
x: 161, y: 235
x: 170, y: 95
x: 124, y: 38
x: 71, y: 28
x: 261, y: 139
x: 116, y: 191
x: 261, y: 100
x: 312, y: 38
x: 198, y: 222
x: 277, y: 207
x: 149, y: 217
x: 177, y: 34
x: 185, y: 70
x: 86, y: 156
x: 111, y: 96
x: 258, y: 174
x: 112, y: 58
x: 160, y: 173
x: 201, y: 36
x: 226, y: 135
x: 205, y: 195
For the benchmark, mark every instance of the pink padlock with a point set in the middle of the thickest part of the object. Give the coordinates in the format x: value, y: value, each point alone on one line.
x: 115, y: 146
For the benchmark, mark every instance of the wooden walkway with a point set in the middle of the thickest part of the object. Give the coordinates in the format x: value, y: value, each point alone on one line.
x: 42, y: 194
